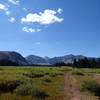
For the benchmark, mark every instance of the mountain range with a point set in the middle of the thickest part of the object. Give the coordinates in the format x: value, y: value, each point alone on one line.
x: 32, y: 59
x: 13, y: 56
x: 36, y: 60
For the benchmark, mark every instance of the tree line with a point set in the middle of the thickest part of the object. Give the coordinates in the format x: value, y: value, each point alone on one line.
x: 5, y: 62
x: 82, y: 63
x: 87, y: 63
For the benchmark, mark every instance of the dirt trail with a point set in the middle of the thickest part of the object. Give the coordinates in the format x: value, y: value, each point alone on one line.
x: 71, y: 90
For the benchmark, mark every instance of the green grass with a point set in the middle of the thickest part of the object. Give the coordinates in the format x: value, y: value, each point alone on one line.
x: 20, y: 83
x: 90, y: 85
x: 77, y: 72
x: 91, y: 70
x: 41, y: 83
x: 46, y: 79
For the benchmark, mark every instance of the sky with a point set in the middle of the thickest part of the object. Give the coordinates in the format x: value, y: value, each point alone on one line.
x: 50, y: 27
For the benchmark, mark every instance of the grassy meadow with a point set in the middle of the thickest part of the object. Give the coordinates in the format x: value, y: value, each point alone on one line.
x: 32, y: 83
x: 49, y: 83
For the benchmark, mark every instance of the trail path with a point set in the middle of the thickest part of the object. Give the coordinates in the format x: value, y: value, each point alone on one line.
x: 71, y: 90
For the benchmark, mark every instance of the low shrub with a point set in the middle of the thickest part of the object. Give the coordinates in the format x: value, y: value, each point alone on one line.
x: 34, y: 73
x: 65, y: 69
x: 8, y: 84
x: 24, y: 89
x: 55, y: 73
x: 91, y: 86
x: 39, y: 92
x: 50, y: 68
x: 46, y: 79
x: 77, y: 72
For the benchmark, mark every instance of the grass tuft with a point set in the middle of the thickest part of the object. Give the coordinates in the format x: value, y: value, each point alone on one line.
x: 76, y: 72
x: 91, y: 86
x: 24, y: 89
x: 39, y: 92
x: 46, y: 79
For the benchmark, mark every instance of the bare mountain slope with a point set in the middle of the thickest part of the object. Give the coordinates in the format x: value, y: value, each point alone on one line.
x: 13, y: 56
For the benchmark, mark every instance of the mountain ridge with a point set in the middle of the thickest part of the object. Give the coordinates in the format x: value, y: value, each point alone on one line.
x: 13, y: 56
x: 37, y: 60
x: 32, y: 59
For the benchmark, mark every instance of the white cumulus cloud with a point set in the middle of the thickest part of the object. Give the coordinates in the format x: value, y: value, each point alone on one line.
x: 15, y: 2
x: 27, y: 29
x: 12, y: 19
x: 46, y: 17
x: 3, y: 7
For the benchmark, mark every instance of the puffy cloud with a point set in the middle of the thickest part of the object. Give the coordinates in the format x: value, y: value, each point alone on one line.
x: 60, y: 10
x: 3, y: 7
x: 27, y: 29
x: 15, y: 2
x: 8, y: 12
x: 12, y: 19
x: 47, y: 17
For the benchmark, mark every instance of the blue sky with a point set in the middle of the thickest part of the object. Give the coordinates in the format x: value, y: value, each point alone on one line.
x: 50, y: 27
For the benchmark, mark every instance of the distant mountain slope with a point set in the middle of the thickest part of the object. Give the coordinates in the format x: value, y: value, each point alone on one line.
x: 13, y: 56
x: 32, y: 59
x: 67, y: 59
x: 36, y: 60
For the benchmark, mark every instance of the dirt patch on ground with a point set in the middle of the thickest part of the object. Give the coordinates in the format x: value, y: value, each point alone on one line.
x: 72, y: 92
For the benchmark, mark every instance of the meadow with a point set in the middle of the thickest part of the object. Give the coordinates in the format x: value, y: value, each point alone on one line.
x: 32, y: 83
x: 49, y: 83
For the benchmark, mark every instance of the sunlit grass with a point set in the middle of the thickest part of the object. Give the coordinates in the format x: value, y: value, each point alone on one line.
x: 54, y: 89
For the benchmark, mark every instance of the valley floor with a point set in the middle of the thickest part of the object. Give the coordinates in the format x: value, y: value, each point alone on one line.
x: 46, y: 83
